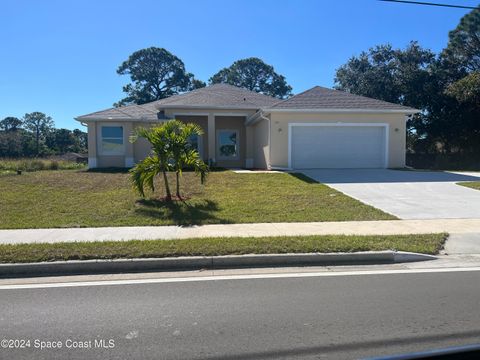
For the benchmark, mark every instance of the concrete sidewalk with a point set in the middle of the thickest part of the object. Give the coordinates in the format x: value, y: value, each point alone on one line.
x: 390, y: 227
x: 464, y: 243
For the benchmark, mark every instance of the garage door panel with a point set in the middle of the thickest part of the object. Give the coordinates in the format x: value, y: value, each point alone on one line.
x: 338, y: 147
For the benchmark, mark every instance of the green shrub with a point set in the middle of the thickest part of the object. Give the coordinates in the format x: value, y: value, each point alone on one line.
x: 54, y: 165
x: 34, y: 165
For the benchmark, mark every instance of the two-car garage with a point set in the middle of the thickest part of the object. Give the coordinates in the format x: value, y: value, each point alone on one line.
x: 342, y: 145
x: 329, y: 129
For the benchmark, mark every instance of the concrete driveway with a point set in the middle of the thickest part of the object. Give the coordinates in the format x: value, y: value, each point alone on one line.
x: 407, y: 194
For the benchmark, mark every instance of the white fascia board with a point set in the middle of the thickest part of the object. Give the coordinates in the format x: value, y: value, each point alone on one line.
x: 365, y: 111
x: 252, y: 119
x: 257, y: 117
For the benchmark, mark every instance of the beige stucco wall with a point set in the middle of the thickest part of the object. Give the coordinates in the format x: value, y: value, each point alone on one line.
x: 92, y: 140
x: 111, y: 161
x: 141, y: 147
x: 208, y: 119
x: 107, y: 160
x: 260, y: 144
x: 132, y: 152
x: 279, y: 132
x: 217, y: 119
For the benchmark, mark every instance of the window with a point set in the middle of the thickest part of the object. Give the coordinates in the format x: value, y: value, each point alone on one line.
x: 196, y: 143
x: 112, y: 140
x: 228, y: 144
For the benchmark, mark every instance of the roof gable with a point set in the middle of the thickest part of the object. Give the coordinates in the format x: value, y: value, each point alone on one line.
x: 213, y: 96
x: 320, y: 97
x: 219, y: 95
x: 140, y: 112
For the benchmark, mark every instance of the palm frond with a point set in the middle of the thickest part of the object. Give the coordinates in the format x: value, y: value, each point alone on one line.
x: 171, y: 151
x: 144, y: 172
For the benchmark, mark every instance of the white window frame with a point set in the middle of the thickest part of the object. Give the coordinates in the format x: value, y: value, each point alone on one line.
x: 233, y: 158
x: 386, y: 127
x: 121, y: 151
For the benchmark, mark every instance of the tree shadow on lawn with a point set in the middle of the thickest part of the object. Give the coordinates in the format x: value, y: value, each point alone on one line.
x: 108, y: 170
x: 182, y: 212
x: 303, y: 178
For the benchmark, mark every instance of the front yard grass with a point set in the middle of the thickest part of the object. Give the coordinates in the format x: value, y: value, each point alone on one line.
x: 472, y: 184
x: 82, y: 198
x: 21, y: 253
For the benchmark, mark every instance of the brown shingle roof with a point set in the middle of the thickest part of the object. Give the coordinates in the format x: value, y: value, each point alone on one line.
x: 323, y: 98
x: 140, y: 112
x: 232, y: 97
x: 217, y: 95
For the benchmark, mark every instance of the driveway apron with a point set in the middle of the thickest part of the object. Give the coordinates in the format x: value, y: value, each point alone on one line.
x: 407, y: 194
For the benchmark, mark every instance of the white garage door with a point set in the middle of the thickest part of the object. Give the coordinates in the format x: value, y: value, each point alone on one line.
x: 337, y: 146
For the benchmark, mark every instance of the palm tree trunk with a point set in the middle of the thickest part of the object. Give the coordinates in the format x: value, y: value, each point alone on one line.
x: 178, y: 185
x: 167, y: 187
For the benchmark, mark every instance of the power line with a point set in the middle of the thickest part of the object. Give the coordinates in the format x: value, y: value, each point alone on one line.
x: 431, y: 4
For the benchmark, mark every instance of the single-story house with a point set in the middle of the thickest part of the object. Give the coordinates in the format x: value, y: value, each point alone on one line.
x: 318, y: 128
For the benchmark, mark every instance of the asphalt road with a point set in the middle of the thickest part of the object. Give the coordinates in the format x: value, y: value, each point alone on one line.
x: 340, y: 317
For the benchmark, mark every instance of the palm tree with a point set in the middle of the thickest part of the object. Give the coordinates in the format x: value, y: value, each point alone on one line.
x: 183, y: 155
x: 171, y: 151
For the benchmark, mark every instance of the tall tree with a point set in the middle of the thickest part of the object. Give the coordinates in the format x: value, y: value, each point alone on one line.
x: 60, y: 140
x: 81, y: 140
x: 155, y: 74
x: 455, y: 115
x: 253, y: 74
x: 400, y: 76
x: 463, y: 50
x: 10, y: 123
x: 39, y: 124
x: 467, y: 89
x: 11, y: 143
x: 388, y: 74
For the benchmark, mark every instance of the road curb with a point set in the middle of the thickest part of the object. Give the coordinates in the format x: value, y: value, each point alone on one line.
x: 77, y: 267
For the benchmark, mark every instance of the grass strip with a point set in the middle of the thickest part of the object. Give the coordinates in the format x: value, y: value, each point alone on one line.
x: 21, y: 253
x: 472, y: 184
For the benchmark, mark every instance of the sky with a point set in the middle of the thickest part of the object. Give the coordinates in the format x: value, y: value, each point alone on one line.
x: 60, y: 56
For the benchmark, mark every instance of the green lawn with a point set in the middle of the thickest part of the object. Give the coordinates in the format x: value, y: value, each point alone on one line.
x: 473, y: 184
x: 425, y: 243
x: 80, y: 198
